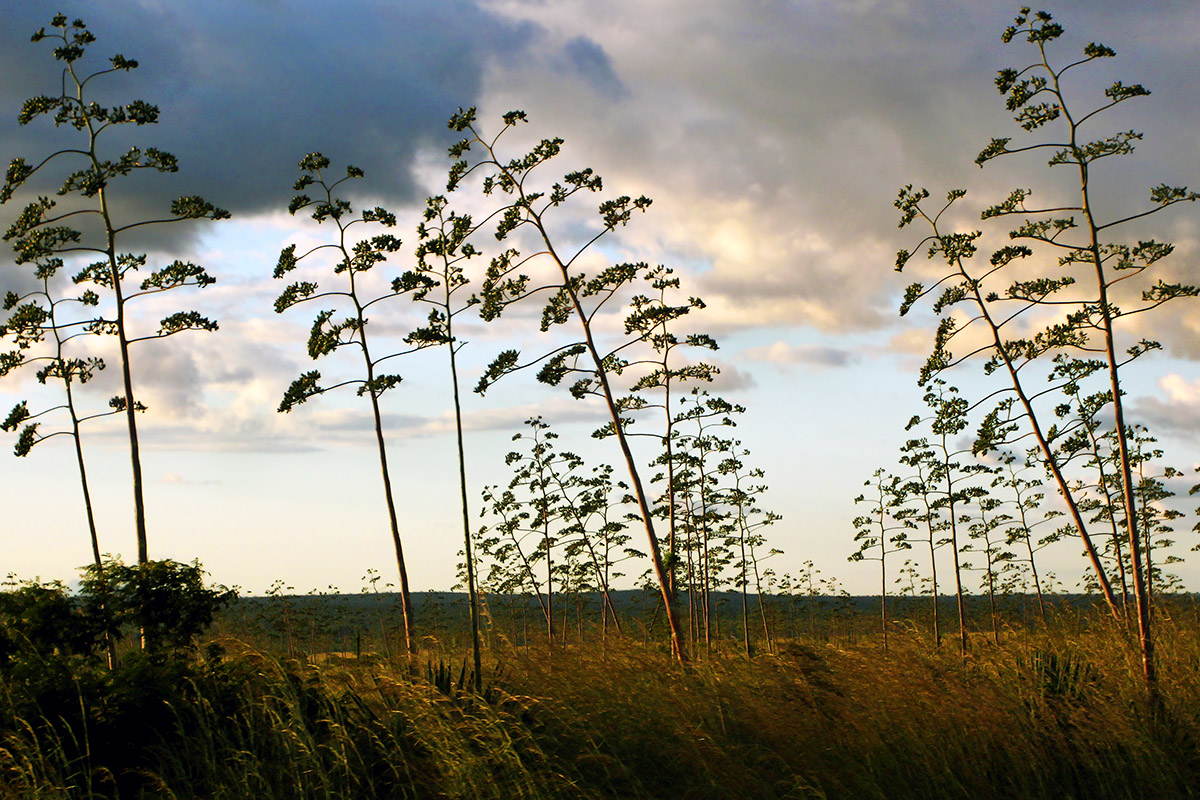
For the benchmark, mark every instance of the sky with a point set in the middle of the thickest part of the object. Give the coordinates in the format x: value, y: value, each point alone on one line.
x: 772, y: 136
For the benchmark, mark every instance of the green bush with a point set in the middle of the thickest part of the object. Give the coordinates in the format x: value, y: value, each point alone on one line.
x: 88, y: 725
x: 166, y: 601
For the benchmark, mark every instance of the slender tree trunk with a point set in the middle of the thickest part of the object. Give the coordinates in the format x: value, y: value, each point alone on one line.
x: 1063, y: 488
x: 937, y: 627
x: 883, y: 619
x: 992, y: 599
x: 601, y: 575
x: 1110, y: 503
x: 762, y: 604
x: 1139, y: 588
x: 812, y: 612
x: 693, y: 617
x: 704, y: 564
x: 135, y: 456
x: 1147, y: 547
x: 410, y: 636
x: 705, y: 577
x: 530, y: 574
x: 1149, y: 581
x: 962, y: 611
x: 410, y: 642
x: 767, y: 634
x: 612, y: 608
x: 97, y: 559
x: 672, y: 544
x: 1037, y: 582
x: 606, y: 603
x: 660, y: 571
x: 383, y: 635
x: 762, y: 599
x: 76, y: 436
x: 549, y: 587
x: 110, y: 645
x: 677, y: 641
x: 468, y: 552
x: 745, y: 603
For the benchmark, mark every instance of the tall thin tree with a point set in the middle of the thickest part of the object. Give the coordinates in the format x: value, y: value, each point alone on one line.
x: 39, y: 232
x: 882, y: 531
x: 1094, y: 272
x: 352, y: 261
x: 442, y: 250
x: 572, y: 294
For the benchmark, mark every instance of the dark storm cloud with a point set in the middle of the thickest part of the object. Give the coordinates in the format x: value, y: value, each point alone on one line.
x: 590, y: 61
x: 247, y: 88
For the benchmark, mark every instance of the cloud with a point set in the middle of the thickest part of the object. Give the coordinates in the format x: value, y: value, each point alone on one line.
x: 327, y: 426
x: 781, y: 352
x: 730, y: 379
x: 593, y: 65
x: 556, y: 411
x: 774, y: 166
x: 1175, y: 412
x: 248, y: 423
x: 1180, y: 390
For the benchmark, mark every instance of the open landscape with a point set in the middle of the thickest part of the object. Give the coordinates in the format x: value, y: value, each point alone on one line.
x: 947, y: 552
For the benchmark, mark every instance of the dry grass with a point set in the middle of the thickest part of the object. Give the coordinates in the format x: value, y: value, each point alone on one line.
x: 1055, y: 713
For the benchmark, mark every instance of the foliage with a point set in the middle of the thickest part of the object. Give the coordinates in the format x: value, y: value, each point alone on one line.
x: 43, y: 619
x: 166, y: 601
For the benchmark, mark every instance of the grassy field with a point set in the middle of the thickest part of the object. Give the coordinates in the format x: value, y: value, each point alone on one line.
x: 1053, y: 711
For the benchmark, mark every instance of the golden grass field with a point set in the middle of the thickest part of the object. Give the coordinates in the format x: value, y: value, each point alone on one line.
x: 1056, y: 711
